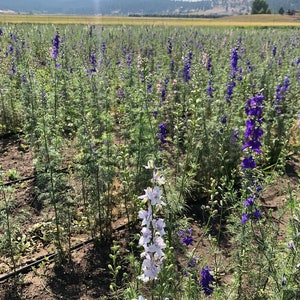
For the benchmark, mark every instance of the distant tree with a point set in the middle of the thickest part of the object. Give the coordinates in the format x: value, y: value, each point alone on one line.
x: 281, y: 11
x: 290, y: 12
x: 260, y: 7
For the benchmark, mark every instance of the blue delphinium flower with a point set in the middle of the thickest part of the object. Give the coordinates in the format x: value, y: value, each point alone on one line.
x: 209, y: 65
x: 257, y: 214
x: 186, y: 236
x: 206, y: 280
x: 187, y: 68
x: 55, y: 46
x: 253, y: 133
x: 281, y: 90
x: 186, y: 72
x: 250, y: 67
x: 249, y: 201
x: 169, y: 46
x: 254, y: 106
x: 234, y: 59
x: 230, y: 85
x: 103, y: 47
x: 162, y: 133
x: 232, y: 75
x: 245, y: 218
x: 128, y: 60
x: 248, y: 163
x: 210, y: 89
x: 253, y: 130
x: 93, y: 62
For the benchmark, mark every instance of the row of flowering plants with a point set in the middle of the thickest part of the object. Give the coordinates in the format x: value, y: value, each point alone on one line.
x: 212, y: 107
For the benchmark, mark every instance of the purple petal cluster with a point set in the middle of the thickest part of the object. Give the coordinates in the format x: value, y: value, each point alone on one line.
x: 234, y: 59
x: 187, y: 68
x: 93, y: 62
x: 55, y: 46
x: 206, y: 280
x: 128, y: 61
x: 281, y: 91
x: 186, y: 236
x: 253, y: 132
x: 162, y: 133
x: 170, y: 47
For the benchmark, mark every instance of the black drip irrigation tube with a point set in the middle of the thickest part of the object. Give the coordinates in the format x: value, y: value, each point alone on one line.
x: 48, y: 257
x: 8, y: 183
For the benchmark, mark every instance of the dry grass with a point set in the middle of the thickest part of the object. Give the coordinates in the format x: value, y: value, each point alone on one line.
x: 239, y: 21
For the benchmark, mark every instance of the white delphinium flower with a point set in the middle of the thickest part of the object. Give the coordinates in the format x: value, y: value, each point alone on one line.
x: 153, y: 229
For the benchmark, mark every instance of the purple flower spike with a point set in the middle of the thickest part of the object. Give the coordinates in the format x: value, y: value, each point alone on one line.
x: 206, y: 280
x: 257, y: 214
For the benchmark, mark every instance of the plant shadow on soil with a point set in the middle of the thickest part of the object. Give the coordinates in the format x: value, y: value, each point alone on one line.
x: 90, y: 276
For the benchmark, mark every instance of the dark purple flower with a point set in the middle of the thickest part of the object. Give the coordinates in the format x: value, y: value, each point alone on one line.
x: 209, y: 65
x: 253, y: 144
x: 254, y: 106
x: 248, y: 163
x: 169, y: 46
x: 281, y: 90
x: 24, y: 80
x: 187, y: 240
x: 162, y: 133
x: 206, y: 280
x: 55, y: 46
x: 128, y: 60
x: 224, y: 119
x: 259, y: 188
x: 245, y: 218
x: 234, y: 59
x: 230, y: 85
x: 186, y: 72
x: 257, y: 214
x: 210, y: 91
x: 186, y: 236
x: 149, y: 88
x: 250, y: 67
x: 274, y: 49
x: 249, y: 201
x: 103, y: 47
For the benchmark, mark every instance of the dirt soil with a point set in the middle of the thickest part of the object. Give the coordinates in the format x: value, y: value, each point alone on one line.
x: 86, y: 275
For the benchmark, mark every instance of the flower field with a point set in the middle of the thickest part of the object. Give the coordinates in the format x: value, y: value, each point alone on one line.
x: 149, y: 162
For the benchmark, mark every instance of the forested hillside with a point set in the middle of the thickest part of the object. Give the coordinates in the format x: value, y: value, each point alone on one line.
x: 143, y: 7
